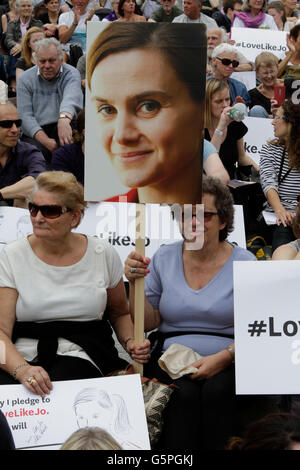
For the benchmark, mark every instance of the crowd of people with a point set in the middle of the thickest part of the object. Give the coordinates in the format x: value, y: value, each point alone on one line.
x: 68, y: 334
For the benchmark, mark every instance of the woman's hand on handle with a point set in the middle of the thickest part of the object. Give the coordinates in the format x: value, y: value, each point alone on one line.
x: 136, y: 266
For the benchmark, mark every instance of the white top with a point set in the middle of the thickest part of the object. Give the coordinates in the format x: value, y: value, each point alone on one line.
x: 204, y: 19
x: 268, y: 23
x: 54, y: 293
x: 79, y: 35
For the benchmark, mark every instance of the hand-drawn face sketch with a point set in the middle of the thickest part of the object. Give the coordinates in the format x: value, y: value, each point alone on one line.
x: 97, y: 408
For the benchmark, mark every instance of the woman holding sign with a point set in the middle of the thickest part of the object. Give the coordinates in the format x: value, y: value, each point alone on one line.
x: 147, y: 85
x: 189, y: 298
x: 57, y: 291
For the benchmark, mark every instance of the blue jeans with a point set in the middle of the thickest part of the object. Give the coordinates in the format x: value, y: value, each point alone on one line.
x: 258, y: 111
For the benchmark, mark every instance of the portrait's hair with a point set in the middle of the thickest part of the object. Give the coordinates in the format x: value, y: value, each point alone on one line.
x: 223, y: 201
x: 91, y: 439
x: 26, y: 49
x: 182, y: 46
x: 278, y: 6
x: 65, y: 186
x: 294, y: 32
x: 291, y: 115
x: 115, y: 403
x: 276, y: 431
x: 45, y: 44
x: 78, y: 135
x: 213, y: 85
x: 266, y: 59
x: 230, y: 4
x: 247, y: 8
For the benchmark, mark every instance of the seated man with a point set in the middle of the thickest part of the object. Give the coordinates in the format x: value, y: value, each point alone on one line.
x: 166, y: 13
x: 20, y: 163
x: 224, y: 62
x: 217, y: 36
x: 48, y: 98
x: 192, y: 14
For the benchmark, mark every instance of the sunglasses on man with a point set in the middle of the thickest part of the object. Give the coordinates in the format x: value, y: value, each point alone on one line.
x: 235, y: 63
x: 48, y: 211
x: 8, y: 123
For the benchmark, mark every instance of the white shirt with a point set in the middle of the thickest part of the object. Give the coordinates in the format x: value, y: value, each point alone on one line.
x: 57, y: 293
x: 268, y: 23
x: 204, y: 19
x: 79, y: 35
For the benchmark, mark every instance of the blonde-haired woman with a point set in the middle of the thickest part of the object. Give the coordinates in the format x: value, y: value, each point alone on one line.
x: 27, y: 59
x: 263, y: 103
x: 221, y: 130
x: 58, y: 289
x: 91, y: 439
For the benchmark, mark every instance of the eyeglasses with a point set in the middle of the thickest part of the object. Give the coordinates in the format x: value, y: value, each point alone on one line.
x: 8, y: 123
x: 235, y: 63
x: 47, y: 211
x: 208, y: 215
x: 276, y: 118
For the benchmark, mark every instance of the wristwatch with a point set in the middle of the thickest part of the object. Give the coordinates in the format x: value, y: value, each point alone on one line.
x: 217, y: 131
x: 63, y: 116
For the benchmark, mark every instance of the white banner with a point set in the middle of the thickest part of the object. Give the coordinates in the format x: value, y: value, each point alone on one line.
x: 114, y: 404
x: 260, y: 131
x: 267, y: 327
x: 252, y: 42
x: 115, y: 221
x: 247, y: 78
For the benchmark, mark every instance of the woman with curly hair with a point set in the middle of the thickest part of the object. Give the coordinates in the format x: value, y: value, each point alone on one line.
x: 280, y: 172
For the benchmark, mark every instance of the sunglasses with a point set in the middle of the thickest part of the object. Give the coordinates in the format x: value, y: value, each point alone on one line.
x: 47, y: 211
x: 7, y: 124
x: 235, y: 63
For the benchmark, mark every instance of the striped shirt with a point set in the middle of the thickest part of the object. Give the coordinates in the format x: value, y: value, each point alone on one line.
x: 289, y: 186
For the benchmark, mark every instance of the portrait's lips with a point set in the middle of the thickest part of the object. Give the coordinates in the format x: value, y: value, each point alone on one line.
x: 128, y: 157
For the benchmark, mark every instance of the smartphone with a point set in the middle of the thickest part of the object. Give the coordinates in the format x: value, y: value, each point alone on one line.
x: 279, y: 94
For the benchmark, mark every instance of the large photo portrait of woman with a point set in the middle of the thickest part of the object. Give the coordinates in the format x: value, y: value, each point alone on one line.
x: 144, y: 112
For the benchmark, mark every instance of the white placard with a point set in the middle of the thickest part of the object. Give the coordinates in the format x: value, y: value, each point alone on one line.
x: 114, y: 404
x: 260, y: 131
x: 252, y: 42
x: 247, y: 78
x: 267, y: 327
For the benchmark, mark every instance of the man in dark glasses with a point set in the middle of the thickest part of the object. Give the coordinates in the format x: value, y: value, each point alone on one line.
x: 48, y: 97
x: 20, y: 163
x: 225, y: 60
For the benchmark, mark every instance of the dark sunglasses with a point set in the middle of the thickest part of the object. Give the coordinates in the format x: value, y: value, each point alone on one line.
x: 47, y: 211
x: 7, y: 124
x: 235, y: 63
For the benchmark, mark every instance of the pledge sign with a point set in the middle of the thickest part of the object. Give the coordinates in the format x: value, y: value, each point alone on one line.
x: 267, y: 327
x: 263, y: 40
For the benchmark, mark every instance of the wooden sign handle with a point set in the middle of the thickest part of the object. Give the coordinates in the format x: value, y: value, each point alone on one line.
x: 139, y: 288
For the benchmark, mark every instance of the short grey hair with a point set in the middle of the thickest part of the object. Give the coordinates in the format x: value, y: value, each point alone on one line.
x: 224, y: 47
x: 45, y: 43
x: 19, y: 1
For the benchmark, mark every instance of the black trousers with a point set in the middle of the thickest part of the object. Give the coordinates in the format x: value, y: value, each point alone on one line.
x: 64, y: 368
x: 204, y: 414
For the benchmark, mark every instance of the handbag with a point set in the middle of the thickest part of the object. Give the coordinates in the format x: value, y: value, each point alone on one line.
x: 156, y: 397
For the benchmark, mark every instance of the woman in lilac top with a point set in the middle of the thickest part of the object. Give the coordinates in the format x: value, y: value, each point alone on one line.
x: 189, y: 298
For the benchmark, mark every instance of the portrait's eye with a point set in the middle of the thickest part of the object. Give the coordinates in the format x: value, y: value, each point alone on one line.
x: 105, y: 110
x: 149, y: 107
